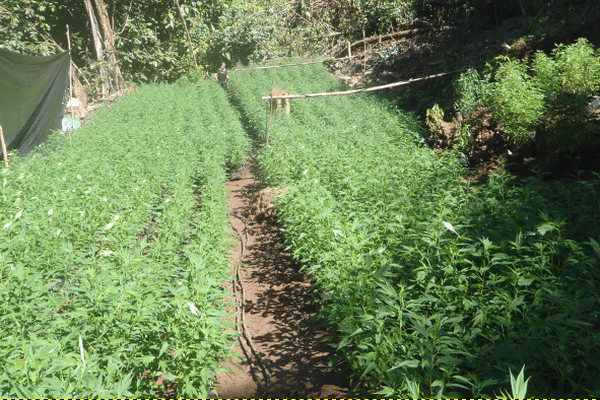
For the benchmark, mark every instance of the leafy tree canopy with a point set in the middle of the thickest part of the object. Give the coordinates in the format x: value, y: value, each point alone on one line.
x: 151, y: 36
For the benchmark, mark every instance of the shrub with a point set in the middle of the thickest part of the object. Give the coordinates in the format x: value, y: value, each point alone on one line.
x: 574, y: 69
x: 470, y: 89
x: 464, y: 138
x: 516, y: 100
x: 550, y: 97
x: 567, y: 79
x: 435, y: 120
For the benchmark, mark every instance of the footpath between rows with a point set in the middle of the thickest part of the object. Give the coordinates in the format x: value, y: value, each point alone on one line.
x: 284, y: 353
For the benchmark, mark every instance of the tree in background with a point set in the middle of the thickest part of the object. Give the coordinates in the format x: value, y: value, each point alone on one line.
x: 103, y: 37
x: 114, y: 41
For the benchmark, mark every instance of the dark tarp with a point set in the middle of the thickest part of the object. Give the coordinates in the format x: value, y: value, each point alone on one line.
x: 32, y: 94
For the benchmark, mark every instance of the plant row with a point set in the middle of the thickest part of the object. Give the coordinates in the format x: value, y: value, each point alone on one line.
x: 113, y: 252
x: 435, y: 288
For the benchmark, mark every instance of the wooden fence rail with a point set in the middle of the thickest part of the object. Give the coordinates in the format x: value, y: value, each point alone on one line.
x: 370, y: 89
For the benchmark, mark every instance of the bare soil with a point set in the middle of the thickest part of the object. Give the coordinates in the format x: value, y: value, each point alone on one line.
x: 287, y: 354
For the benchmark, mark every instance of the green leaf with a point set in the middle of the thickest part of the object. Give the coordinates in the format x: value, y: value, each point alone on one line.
x: 545, y: 228
x: 518, y: 385
x: 406, y: 364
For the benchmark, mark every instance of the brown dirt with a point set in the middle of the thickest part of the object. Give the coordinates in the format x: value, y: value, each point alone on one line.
x: 279, y: 310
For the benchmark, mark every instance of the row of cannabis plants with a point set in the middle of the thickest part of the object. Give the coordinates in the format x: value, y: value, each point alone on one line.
x: 434, y: 287
x: 113, y: 251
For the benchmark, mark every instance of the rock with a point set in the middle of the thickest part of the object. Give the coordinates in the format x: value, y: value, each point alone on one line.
x: 593, y: 105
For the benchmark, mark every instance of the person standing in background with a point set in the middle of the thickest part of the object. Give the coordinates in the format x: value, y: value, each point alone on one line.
x: 222, y: 76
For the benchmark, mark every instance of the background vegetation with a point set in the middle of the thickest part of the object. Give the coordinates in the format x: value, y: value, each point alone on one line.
x: 151, y: 41
x: 547, y: 100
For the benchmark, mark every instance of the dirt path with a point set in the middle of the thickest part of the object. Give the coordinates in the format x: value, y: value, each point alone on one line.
x: 278, y: 311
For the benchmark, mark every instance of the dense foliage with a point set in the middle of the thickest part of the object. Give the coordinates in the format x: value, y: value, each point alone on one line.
x: 435, y: 288
x: 152, y: 43
x: 25, y: 25
x: 113, y: 253
x: 549, y: 96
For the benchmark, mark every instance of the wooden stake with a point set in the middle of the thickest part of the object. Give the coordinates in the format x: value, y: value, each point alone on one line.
x: 3, y: 147
x: 271, y: 112
x: 70, y: 90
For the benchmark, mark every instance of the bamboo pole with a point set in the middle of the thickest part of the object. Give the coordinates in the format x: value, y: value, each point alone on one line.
x: 371, y: 89
x: 3, y: 147
x: 364, y: 58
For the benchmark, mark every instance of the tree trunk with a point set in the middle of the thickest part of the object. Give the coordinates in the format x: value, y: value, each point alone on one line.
x: 117, y: 82
x: 103, y: 37
x: 176, y: 3
x: 98, y: 47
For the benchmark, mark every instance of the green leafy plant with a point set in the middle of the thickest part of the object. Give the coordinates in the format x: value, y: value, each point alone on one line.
x: 463, y: 138
x: 550, y: 98
x: 433, y: 287
x: 435, y: 120
x: 515, y: 100
x: 567, y: 79
x: 518, y: 386
x: 113, y: 253
x: 471, y: 90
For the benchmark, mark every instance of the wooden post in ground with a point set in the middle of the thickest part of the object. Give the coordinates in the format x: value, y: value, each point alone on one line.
x: 271, y: 112
x: 3, y: 147
x: 364, y: 58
